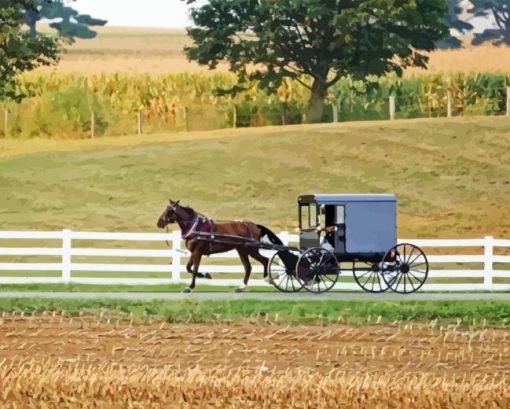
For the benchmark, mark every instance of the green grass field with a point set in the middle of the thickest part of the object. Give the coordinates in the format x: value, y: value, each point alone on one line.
x: 451, y: 177
x: 281, y: 312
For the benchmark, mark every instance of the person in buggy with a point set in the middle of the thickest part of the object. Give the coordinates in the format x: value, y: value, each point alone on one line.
x: 326, y: 220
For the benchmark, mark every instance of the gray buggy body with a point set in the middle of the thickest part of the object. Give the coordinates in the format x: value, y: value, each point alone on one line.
x: 366, y: 224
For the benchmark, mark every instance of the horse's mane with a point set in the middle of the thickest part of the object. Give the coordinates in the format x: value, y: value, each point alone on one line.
x: 188, y: 210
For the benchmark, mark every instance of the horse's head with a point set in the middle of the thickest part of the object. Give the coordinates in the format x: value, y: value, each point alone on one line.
x: 169, y: 215
x: 175, y: 213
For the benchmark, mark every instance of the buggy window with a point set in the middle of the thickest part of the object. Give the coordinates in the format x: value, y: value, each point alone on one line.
x: 330, y: 216
x: 314, y: 222
x: 340, y: 215
x: 304, y: 220
x: 308, y: 216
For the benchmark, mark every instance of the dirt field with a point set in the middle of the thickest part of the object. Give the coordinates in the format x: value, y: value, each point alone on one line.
x: 69, y: 362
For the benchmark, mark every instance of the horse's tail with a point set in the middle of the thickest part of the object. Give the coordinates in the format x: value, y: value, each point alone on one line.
x: 265, y: 232
x: 289, y: 259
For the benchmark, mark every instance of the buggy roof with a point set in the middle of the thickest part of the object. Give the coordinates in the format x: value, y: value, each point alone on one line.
x: 340, y: 198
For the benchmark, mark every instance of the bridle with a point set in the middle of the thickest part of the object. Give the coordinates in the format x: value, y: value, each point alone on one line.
x: 166, y: 241
x: 169, y: 220
x: 193, y: 221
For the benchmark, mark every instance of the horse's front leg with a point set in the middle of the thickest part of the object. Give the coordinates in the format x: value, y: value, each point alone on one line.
x: 191, y: 262
x: 189, y: 269
x: 196, y: 257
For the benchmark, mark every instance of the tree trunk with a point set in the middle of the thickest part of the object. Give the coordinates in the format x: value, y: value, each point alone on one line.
x: 506, y: 38
x: 316, y: 103
x: 31, y: 18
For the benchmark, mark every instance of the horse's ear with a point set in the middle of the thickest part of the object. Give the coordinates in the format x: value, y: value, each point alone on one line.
x: 176, y: 203
x: 171, y: 201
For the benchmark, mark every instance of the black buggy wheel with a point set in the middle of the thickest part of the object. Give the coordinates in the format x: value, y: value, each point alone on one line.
x: 369, y: 276
x: 317, y: 270
x: 282, y: 271
x: 405, y: 268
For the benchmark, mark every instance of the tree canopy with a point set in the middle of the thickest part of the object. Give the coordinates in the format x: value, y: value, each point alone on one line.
x: 72, y: 24
x: 20, y: 51
x: 315, y: 42
x: 454, y: 21
x: 500, y: 11
x: 24, y: 50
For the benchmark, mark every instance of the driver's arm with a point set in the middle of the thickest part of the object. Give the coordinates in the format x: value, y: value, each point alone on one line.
x: 328, y: 229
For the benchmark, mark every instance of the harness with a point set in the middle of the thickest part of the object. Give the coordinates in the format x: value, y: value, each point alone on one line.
x: 200, y: 224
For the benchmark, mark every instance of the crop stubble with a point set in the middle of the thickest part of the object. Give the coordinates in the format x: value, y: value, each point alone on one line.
x: 69, y: 362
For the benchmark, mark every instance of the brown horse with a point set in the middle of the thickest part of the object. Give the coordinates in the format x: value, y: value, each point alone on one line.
x: 193, y: 224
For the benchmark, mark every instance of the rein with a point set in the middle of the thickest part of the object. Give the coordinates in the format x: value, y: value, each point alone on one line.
x: 166, y: 241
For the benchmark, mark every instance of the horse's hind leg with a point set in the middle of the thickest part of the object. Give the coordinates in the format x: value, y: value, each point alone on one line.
x: 243, y: 255
x: 261, y: 259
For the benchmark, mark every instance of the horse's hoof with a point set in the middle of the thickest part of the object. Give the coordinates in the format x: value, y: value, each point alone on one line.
x: 241, y: 289
x: 208, y: 276
x: 187, y: 290
x: 269, y: 280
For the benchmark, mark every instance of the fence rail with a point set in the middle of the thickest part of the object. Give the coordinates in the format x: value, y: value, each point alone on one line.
x: 487, y: 266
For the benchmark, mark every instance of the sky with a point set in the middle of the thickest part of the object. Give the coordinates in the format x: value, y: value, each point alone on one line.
x: 156, y: 13
x: 146, y: 13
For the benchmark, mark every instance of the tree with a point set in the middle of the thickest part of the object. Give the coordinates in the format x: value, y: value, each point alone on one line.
x: 500, y: 11
x: 72, y: 24
x: 19, y: 51
x: 316, y: 42
x: 454, y: 21
x: 22, y: 50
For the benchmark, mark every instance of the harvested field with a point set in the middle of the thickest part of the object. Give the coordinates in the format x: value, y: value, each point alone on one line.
x: 69, y: 362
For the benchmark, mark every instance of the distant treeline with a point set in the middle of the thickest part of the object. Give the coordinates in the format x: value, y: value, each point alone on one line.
x: 61, y: 106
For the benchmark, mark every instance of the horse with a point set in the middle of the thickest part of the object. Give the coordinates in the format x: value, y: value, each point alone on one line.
x: 193, y: 223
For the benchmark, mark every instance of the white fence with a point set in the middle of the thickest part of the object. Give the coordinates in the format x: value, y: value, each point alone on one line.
x: 493, y: 264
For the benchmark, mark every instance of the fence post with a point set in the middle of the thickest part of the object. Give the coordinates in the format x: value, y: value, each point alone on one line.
x: 186, y: 123
x: 92, y: 124
x: 488, y: 261
x: 139, y: 122
x: 334, y: 107
x: 507, y: 101
x: 234, y: 120
x: 176, y: 256
x: 392, y: 107
x: 449, y: 106
x: 6, y: 121
x: 66, y: 255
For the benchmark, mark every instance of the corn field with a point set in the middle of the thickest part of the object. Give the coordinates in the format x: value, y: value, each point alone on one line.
x: 59, y: 361
x: 61, y: 105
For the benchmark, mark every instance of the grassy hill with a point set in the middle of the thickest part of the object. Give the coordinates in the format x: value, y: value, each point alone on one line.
x: 452, y: 177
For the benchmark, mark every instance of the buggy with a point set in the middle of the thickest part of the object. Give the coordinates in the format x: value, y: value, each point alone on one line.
x: 349, y: 232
